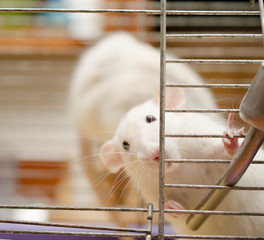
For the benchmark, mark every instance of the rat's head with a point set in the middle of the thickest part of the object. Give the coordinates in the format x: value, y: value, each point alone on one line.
x: 135, y: 144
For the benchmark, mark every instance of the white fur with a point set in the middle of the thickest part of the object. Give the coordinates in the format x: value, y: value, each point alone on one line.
x: 139, y: 165
x: 118, y: 73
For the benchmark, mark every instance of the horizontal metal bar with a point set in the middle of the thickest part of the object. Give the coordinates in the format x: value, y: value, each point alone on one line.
x: 207, y: 85
x: 208, y: 212
x: 213, y: 212
x: 212, y: 35
x: 196, y: 186
x: 94, y: 234
x: 59, y: 233
x: 114, y: 209
x: 202, y: 110
x: 178, y: 236
x: 128, y: 11
x: 214, y: 61
x: 211, y: 161
x: 202, y: 135
x: 88, y: 227
x: 197, y: 161
x: 58, y: 10
x: 212, y: 13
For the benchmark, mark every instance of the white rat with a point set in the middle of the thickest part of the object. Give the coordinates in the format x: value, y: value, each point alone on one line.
x: 111, y: 77
x: 135, y: 148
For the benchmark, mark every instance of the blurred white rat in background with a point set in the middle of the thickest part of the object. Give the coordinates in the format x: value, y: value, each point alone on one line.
x: 119, y: 72
x: 135, y: 148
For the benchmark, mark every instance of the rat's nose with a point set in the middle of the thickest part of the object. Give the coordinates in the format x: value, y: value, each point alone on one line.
x: 155, y: 156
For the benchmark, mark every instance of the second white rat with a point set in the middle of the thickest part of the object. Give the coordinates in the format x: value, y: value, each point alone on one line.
x: 135, y: 148
x: 118, y: 73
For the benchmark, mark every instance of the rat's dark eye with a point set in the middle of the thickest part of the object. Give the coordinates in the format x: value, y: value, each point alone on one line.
x: 150, y: 118
x: 126, y: 145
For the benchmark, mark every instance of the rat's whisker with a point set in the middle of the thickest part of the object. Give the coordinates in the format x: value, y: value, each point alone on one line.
x: 119, y: 180
x: 101, y: 178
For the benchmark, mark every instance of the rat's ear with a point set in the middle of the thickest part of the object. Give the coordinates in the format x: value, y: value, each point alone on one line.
x: 175, y: 97
x: 110, y: 156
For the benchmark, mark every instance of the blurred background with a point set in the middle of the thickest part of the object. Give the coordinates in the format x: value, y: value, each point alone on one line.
x: 38, y: 52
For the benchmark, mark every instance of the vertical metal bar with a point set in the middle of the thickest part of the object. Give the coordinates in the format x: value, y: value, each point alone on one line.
x: 261, y: 9
x: 162, y: 116
x: 149, y: 221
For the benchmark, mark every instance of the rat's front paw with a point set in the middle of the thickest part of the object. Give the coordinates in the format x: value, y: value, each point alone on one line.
x: 173, y: 205
x: 230, y: 143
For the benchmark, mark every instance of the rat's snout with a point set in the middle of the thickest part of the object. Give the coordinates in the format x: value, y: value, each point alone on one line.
x: 155, y: 156
x: 152, y: 151
x: 149, y: 150
x: 152, y: 156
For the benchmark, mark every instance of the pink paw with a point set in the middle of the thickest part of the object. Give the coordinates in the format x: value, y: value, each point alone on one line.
x: 173, y: 205
x: 231, y: 143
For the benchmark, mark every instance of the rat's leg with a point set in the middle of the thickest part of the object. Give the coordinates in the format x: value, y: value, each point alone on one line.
x: 231, y: 143
x: 173, y: 205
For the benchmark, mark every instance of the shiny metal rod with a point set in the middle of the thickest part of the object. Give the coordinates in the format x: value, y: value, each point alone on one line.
x: 215, y: 61
x: 207, y: 85
x: 203, y: 110
x: 212, y: 35
x: 163, y: 7
x: 130, y: 11
x: 149, y: 221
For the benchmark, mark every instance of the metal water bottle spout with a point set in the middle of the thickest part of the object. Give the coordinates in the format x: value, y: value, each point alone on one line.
x: 252, y: 112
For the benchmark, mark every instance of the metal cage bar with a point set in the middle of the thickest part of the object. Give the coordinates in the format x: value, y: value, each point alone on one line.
x: 162, y: 116
x: 126, y: 11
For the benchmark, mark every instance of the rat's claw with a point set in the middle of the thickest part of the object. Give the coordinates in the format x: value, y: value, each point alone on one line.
x: 226, y: 141
x: 229, y: 133
x: 231, y: 143
x: 173, y: 205
x: 241, y: 131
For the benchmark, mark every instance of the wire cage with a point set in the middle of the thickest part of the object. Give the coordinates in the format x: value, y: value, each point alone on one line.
x: 40, y: 42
